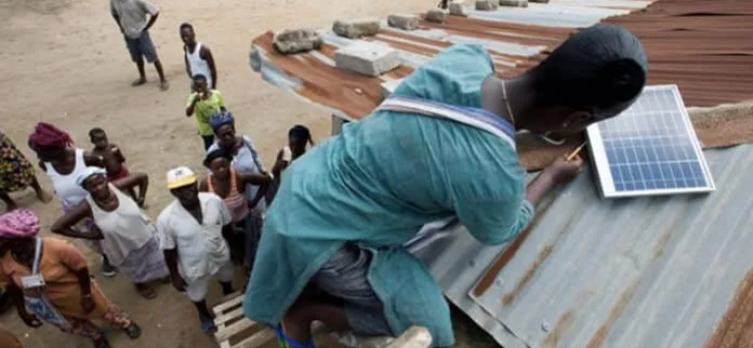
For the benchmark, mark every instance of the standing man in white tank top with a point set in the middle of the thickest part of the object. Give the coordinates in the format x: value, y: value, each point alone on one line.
x: 198, y: 57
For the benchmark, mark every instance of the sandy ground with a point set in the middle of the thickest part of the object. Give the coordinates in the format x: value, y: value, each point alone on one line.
x: 65, y: 62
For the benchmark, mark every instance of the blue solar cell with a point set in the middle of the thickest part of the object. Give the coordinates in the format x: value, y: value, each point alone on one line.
x: 651, y: 146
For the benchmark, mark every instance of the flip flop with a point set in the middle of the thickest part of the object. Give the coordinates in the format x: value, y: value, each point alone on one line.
x: 164, y: 85
x: 138, y: 82
x: 102, y: 343
x: 133, y: 331
x: 207, y: 325
x: 146, y: 292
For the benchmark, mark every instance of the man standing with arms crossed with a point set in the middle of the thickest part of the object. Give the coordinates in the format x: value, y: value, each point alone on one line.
x: 131, y: 16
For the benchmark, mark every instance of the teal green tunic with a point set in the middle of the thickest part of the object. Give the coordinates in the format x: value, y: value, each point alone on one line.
x: 377, y: 183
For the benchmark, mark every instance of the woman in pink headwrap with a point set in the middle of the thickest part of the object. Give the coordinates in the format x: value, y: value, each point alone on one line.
x: 51, y: 277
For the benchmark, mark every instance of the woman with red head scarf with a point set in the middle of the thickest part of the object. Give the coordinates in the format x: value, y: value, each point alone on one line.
x: 63, y: 163
x: 50, y: 278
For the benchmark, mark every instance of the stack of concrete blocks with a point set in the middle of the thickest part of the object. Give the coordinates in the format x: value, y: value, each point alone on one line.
x: 356, y: 28
x: 403, y: 21
x: 367, y: 58
x: 437, y: 16
x: 297, y: 41
x: 514, y: 3
x: 457, y: 9
x: 487, y: 5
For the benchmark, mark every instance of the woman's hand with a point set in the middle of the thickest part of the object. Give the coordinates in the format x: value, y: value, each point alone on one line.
x: 87, y: 303
x: 562, y: 171
x: 178, y: 283
x: 30, y: 320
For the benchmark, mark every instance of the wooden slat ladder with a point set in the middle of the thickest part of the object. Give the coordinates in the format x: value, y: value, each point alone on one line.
x: 232, y: 326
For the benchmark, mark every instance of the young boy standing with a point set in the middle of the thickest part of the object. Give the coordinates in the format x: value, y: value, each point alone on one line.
x: 111, y: 156
x: 204, y: 102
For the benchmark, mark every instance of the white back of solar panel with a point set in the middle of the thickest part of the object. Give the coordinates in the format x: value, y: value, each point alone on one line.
x: 649, y: 149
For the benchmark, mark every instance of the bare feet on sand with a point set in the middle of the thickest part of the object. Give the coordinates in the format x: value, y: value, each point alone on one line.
x: 139, y: 82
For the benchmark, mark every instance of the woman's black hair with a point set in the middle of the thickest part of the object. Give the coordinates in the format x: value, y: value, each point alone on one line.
x: 601, y: 69
x: 186, y: 26
x: 215, y: 154
x: 301, y: 132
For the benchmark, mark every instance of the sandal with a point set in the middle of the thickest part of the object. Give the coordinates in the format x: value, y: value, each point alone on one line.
x: 133, y: 331
x: 207, y: 325
x: 146, y: 291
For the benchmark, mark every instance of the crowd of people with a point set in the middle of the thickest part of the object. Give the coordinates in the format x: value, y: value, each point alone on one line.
x: 341, y: 259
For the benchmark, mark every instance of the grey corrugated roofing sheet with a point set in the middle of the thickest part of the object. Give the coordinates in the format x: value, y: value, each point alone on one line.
x: 623, y: 273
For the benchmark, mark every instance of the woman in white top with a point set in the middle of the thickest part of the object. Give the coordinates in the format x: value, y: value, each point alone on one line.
x: 198, y: 57
x: 63, y: 163
x: 126, y: 234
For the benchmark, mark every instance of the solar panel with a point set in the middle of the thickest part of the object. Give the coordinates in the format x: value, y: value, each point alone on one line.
x: 649, y: 149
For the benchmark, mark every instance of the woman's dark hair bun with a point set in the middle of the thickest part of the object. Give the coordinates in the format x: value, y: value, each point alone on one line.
x: 621, y: 80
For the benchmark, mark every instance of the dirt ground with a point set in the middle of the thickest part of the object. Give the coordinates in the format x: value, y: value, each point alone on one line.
x: 65, y: 62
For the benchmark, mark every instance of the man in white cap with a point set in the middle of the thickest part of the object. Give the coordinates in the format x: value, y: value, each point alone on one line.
x: 193, y: 231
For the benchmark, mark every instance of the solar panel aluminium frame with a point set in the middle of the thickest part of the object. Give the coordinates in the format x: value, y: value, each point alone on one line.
x: 604, y: 174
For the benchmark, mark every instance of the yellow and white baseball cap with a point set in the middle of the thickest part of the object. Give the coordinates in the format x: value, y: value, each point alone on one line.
x: 179, y: 177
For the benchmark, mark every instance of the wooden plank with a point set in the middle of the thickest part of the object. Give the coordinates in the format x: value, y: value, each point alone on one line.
x: 221, y: 319
x: 258, y: 339
x: 235, y: 328
x: 232, y: 302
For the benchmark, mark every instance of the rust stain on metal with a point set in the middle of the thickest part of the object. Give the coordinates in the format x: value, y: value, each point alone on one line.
x: 601, y: 334
x: 563, y: 324
x: 735, y: 330
x: 543, y: 255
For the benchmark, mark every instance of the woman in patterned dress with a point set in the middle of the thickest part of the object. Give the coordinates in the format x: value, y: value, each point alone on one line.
x: 16, y: 174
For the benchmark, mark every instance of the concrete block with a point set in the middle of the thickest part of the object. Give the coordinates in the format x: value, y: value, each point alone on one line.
x: 487, y: 5
x: 457, y: 9
x: 437, y: 16
x: 389, y: 87
x: 405, y: 22
x: 367, y: 58
x: 540, y: 1
x: 514, y: 3
x: 297, y: 41
x: 356, y: 28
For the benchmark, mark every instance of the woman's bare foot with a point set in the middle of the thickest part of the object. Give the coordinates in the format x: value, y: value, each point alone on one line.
x: 139, y: 82
x: 146, y: 291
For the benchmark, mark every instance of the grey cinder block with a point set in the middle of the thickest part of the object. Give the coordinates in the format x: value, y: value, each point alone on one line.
x: 403, y: 21
x: 297, y: 41
x: 437, y: 16
x: 514, y: 3
x: 456, y: 9
x: 487, y: 5
x: 367, y: 58
x: 356, y: 28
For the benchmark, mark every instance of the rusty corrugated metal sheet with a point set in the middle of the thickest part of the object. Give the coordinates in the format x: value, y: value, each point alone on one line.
x: 704, y: 47
x: 655, y: 272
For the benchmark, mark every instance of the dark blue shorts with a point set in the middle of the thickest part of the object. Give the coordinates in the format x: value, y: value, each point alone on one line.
x: 142, y: 47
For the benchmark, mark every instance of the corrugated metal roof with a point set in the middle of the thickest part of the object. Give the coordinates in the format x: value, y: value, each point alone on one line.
x: 627, y: 273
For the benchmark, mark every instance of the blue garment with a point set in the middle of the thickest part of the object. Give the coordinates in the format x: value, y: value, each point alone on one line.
x: 377, y: 183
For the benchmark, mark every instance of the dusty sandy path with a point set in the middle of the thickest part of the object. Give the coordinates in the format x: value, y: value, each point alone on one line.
x: 64, y: 61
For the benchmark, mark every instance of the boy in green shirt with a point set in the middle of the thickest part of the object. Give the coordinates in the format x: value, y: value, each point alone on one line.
x: 204, y: 102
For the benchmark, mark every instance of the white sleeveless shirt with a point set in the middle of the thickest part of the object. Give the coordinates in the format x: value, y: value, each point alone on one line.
x: 199, y: 65
x: 65, y: 185
x: 125, y: 229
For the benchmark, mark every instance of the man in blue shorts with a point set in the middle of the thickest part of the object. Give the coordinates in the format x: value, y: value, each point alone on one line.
x: 131, y: 16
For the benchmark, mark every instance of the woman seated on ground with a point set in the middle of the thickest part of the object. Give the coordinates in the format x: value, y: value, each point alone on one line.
x: 62, y: 292
x: 299, y: 139
x: 127, y: 236
x: 16, y: 174
x: 230, y: 185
